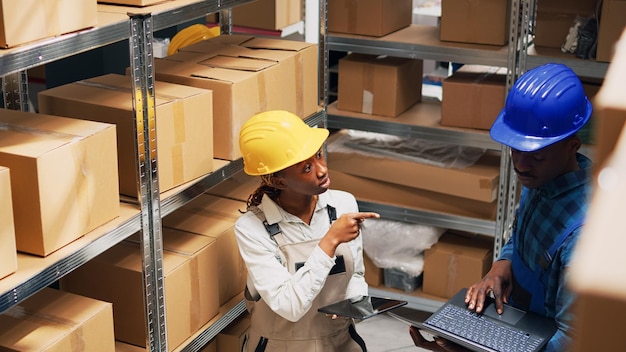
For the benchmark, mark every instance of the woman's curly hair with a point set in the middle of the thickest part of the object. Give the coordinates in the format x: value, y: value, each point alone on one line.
x: 265, y: 188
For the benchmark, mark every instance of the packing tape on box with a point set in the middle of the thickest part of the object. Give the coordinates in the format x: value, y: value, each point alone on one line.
x: 77, y: 342
x: 195, y: 316
x: 353, y: 16
x: 450, y: 288
x: 7, y: 126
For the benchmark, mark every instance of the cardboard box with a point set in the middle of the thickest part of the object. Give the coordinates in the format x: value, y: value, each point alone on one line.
x: 215, y: 217
x: 369, y: 17
x: 598, y: 259
x: 554, y: 19
x: 610, y: 107
x: 379, y: 85
x: 413, y: 198
x: 242, y: 87
x: 611, y: 27
x: 30, y: 20
x: 298, y: 65
x: 183, y: 116
x: 473, y: 96
x: 133, y: 2
x: 454, y: 262
x: 478, y: 181
x: 233, y: 336
x: 238, y: 187
x: 268, y: 14
x: 56, y: 321
x: 373, y: 275
x: 8, y: 254
x: 475, y: 21
x: 190, y: 285
x: 63, y: 177
x: 126, y: 347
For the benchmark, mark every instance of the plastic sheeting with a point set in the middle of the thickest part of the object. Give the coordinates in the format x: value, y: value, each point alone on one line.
x: 399, y: 245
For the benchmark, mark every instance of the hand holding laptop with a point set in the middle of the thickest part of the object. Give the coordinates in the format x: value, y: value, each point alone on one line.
x: 438, y: 344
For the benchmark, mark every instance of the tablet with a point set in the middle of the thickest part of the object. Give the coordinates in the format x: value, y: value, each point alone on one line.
x: 362, y: 307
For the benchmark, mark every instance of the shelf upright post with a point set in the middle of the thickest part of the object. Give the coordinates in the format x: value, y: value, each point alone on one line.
x: 323, y: 62
x: 15, y: 91
x: 226, y: 21
x: 142, y: 65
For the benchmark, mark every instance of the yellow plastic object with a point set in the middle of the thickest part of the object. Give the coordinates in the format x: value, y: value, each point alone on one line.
x: 274, y: 140
x: 191, y: 35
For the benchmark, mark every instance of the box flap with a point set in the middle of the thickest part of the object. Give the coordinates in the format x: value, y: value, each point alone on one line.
x: 237, y: 63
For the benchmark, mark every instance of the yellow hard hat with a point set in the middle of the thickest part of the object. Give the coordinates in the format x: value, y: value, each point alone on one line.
x: 274, y: 140
x: 191, y: 35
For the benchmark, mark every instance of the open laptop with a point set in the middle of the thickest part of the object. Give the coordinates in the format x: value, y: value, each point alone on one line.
x: 514, y: 330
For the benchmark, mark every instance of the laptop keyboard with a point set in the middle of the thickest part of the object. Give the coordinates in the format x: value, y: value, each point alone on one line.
x: 476, y: 328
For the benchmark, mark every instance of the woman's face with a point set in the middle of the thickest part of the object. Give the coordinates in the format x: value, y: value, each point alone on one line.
x: 308, y: 177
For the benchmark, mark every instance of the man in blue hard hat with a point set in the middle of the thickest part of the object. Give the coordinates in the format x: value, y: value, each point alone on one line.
x: 543, y: 112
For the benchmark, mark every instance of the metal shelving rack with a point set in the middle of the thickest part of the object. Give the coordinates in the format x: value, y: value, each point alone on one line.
x: 422, y: 41
x: 137, y: 28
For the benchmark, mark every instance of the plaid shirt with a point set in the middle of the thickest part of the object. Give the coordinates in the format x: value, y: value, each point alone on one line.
x: 542, y: 215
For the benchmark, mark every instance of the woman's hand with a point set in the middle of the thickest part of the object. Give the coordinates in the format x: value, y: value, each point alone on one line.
x: 344, y: 229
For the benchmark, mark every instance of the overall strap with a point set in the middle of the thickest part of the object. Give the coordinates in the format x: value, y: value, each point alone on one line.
x: 274, y: 229
x: 548, y: 255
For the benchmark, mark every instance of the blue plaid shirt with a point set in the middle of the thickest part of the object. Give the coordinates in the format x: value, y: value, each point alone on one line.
x: 542, y: 215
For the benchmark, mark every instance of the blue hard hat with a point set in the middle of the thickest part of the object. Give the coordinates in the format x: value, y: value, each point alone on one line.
x: 545, y: 105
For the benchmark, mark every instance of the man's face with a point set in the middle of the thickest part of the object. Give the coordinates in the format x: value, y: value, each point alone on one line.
x: 534, y: 169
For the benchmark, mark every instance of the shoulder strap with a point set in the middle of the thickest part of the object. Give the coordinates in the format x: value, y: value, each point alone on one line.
x: 548, y: 255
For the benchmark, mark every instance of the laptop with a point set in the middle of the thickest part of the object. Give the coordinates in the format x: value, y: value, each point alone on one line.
x: 362, y: 307
x: 514, y: 330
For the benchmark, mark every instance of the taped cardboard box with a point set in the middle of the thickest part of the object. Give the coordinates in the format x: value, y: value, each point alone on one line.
x: 454, y: 262
x: 297, y: 65
x: 473, y: 97
x: 268, y: 14
x: 369, y: 17
x: 379, y: 85
x: 241, y: 86
x: 190, y: 285
x: 30, y: 20
x: 233, y: 336
x: 56, y: 321
x: 8, y: 252
x: 215, y: 217
x: 478, y: 181
x: 183, y: 116
x: 409, y: 197
x: 64, y: 179
x: 133, y: 2
x: 554, y: 19
x: 475, y: 21
x: 598, y: 259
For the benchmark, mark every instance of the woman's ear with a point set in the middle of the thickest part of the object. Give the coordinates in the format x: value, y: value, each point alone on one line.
x: 278, y: 182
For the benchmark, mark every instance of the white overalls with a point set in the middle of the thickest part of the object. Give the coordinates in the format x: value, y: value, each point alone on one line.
x: 314, y: 332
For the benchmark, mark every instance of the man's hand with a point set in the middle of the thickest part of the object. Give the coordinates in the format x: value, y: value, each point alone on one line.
x: 499, y: 281
x: 438, y: 345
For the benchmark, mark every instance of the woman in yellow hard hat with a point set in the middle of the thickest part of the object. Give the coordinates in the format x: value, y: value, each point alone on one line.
x: 300, y: 241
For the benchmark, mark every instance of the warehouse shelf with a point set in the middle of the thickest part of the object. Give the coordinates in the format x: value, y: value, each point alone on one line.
x: 420, y: 42
x: 422, y: 120
x: 537, y: 56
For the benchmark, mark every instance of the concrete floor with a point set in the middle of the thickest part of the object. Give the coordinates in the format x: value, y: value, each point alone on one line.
x: 384, y: 333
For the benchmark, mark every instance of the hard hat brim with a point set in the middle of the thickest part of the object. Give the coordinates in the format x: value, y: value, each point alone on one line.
x: 502, y: 133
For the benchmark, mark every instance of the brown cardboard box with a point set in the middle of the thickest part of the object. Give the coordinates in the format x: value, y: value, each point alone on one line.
x: 612, y: 24
x: 599, y: 259
x: 234, y: 335
x: 555, y: 17
x: 610, y: 107
x: 379, y: 85
x: 477, y: 182
x: 470, y: 21
x: 242, y: 87
x: 268, y: 14
x: 297, y: 65
x: 239, y: 187
x: 473, y: 96
x: 215, y: 217
x: 374, y: 275
x: 29, y: 20
x: 455, y: 262
x: 56, y: 321
x: 126, y: 347
x: 210, y: 347
x: 183, y: 116
x: 8, y: 254
x: 408, y: 197
x: 190, y: 271
x: 63, y: 177
x: 369, y: 17
x: 132, y: 2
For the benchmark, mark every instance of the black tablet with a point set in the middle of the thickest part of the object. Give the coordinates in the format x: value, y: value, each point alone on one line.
x: 362, y: 307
